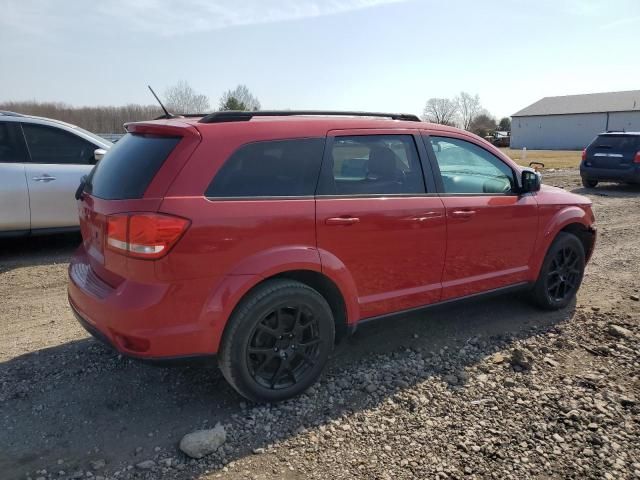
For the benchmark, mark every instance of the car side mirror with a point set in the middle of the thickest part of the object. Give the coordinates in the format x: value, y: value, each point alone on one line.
x: 530, y: 181
x: 98, y: 154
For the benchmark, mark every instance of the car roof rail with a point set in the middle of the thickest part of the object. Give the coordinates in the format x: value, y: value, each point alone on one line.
x: 242, y: 116
x: 7, y: 113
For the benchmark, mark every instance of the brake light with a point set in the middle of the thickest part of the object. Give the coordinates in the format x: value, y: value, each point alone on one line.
x: 144, y: 235
x: 636, y: 159
x: 584, y: 154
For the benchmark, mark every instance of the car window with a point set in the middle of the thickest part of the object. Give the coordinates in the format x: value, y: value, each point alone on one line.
x: 372, y: 165
x: 620, y: 143
x: 468, y: 168
x: 11, y: 143
x: 127, y: 169
x: 278, y: 168
x: 53, y: 145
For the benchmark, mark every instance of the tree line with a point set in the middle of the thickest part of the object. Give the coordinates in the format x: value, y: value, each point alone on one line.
x: 179, y: 98
x: 464, y: 111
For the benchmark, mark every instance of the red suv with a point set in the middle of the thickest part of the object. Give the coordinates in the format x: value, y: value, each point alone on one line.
x: 265, y: 237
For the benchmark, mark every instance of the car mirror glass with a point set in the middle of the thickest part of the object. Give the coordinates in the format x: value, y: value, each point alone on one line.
x: 530, y: 180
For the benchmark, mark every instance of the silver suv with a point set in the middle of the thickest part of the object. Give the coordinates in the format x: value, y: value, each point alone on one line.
x: 41, y: 164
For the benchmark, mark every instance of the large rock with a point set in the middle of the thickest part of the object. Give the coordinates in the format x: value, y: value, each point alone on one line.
x: 618, y: 331
x: 521, y: 357
x: 203, y: 442
x: 146, y: 465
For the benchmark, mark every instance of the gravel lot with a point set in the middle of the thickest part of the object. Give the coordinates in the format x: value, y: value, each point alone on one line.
x: 489, y: 389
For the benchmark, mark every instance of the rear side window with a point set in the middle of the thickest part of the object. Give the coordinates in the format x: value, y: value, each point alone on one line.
x: 373, y: 165
x: 56, y: 146
x: 11, y: 143
x: 127, y: 169
x: 618, y: 143
x: 279, y: 168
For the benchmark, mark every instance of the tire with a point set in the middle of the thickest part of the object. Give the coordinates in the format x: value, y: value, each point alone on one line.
x: 561, y: 273
x: 277, y: 341
x: 587, y: 183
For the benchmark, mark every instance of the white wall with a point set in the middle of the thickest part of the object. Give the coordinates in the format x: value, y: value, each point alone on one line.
x: 627, y: 121
x: 557, y: 132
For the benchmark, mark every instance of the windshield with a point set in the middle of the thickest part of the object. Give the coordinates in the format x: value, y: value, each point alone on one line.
x: 621, y: 143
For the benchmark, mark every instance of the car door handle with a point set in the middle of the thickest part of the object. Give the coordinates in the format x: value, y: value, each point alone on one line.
x: 426, y: 216
x: 44, y: 178
x: 341, y: 221
x: 463, y: 213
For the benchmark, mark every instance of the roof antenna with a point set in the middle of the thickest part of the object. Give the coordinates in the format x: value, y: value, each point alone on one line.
x: 166, y: 112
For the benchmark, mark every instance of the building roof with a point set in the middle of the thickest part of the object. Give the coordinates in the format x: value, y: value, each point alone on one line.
x: 628, y: 101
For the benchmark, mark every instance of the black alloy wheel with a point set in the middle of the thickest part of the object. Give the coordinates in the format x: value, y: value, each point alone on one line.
x: 561, y: 273
x: 284, y: 346
x: 564, y: 274
x: 277, y: 341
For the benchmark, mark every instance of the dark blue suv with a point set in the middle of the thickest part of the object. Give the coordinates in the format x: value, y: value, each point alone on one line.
x: 613, y: 157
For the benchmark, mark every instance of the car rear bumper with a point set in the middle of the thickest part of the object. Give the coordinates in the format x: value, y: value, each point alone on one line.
x: 631, y: 175
x: 146, y: 321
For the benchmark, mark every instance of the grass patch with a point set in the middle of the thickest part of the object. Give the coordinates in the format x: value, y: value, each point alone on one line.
x: 550, y: 158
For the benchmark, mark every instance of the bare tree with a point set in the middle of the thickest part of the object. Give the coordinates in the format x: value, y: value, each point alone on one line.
x: 181, y: 98
x: 468, y: 108
x: 240, y: 98
x: 441, y: 110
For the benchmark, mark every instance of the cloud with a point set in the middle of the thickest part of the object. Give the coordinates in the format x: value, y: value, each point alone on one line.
x: 169, y: 17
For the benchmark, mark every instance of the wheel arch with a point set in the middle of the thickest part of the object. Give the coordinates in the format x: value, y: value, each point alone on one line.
x: 585, y: 234
x: 572, y: 219
x: 234, y: 288
x: 328, y: 289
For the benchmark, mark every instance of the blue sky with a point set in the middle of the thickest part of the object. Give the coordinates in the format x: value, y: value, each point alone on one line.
x: 387, y: 55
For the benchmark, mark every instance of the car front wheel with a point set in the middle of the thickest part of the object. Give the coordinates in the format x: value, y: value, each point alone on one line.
x: 561, y: 273
x: 277, y: 341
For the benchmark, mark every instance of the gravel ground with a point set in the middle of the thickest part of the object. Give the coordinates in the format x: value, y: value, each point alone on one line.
x: 489, y: 389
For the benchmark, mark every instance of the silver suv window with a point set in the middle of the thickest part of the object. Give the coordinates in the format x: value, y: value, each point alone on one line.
x: 11, y: 143
x: 55, y: 146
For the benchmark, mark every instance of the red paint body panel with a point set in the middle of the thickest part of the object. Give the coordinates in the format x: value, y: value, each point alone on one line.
x: 490, y: 245
x: 395, y: 253
x: 404, y: 251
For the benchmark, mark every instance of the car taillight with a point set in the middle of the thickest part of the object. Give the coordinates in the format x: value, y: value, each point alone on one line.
x: 584, y: 154
x: 636, y: 159
x: 144, y: 235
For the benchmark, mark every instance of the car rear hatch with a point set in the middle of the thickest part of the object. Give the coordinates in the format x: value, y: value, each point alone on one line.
x: 613, y: 151
x: 130, y: 180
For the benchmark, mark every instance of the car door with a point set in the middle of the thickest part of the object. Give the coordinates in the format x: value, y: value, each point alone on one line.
x: 58, y: 160
x: 14, y: 197
x: 378, y: 220
x: 491, y: 229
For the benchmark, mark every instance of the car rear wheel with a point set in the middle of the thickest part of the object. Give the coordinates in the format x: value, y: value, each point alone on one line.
x: 277, y: 341
x: 587, y: 183
x: 561, y: 273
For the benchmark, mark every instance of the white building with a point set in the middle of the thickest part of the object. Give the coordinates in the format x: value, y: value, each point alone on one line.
x: 572, y: 121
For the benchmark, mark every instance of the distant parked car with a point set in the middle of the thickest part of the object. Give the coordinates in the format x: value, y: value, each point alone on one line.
x: 499, y: 138
x: 613, y: 157
x: 41, y: 164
